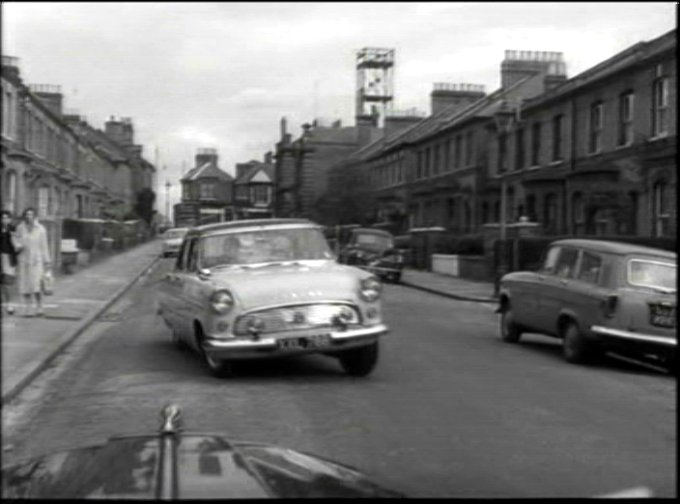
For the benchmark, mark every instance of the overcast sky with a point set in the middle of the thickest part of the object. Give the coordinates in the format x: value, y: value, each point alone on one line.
x: 222, y: 75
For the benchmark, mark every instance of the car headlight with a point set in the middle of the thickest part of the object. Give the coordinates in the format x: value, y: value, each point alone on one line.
x: 370, y: 290
x: 221, y: 301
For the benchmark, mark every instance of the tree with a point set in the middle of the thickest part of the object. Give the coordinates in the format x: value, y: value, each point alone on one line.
x: 144, y: 205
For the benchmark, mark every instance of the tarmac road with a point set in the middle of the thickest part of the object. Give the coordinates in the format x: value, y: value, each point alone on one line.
x: 450, y: 411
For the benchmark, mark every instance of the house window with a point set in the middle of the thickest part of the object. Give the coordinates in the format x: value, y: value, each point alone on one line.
x: 435, y: 169
x: 469, y: 145
x: 459, y: 147
x: 8, y: 115
x: 11, y: 194
x: 519, y: 149
x: 558, y: 121
x: 535, y: 144
x: 578, y: 214
x: 450, y: 210
x: 550, y: 214
x: 626, y: 119
x: 259, y: 195
x: 447, y: 156
x: 427, y: 162
x: 419, y: 165
x: 660, y: 209
x: 502, y: 152
x: 207, y: 190
x: 660, y: 107
x: 43, y: 201
x: 596, y: 125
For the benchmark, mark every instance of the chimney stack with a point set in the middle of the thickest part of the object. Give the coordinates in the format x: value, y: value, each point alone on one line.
x: 455, y: 96
x: 367, y: 129
x: 520, y: 64
x: 398, y: 120
x: 10, y: 67
x: 120, y: 131
x: 268, y: 158
x: 50, y: 96
x: 206, y: 155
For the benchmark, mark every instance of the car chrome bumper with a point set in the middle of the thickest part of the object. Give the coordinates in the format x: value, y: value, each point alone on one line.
x: 250, y: 348
x: 641, y: 337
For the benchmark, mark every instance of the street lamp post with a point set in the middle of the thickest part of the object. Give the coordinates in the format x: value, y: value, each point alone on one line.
x: 504, y: 118
x: 167, y: 200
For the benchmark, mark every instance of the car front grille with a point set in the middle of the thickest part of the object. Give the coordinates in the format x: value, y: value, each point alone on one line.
x: 293, y: 318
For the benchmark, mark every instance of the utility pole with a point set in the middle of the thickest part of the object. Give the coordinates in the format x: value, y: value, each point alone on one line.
x: 167, y: 200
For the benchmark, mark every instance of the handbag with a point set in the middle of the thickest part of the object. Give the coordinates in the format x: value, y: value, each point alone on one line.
x: 48, y: 283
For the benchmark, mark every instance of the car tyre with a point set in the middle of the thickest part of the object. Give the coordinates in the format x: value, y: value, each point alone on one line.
x: 220, y: 368
x: 396, y: 278
x: 510, y: 331
x: 576, y: 349
x: 360, y: 361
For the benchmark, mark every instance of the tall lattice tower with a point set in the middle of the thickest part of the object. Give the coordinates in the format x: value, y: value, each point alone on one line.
x: 375, y: 82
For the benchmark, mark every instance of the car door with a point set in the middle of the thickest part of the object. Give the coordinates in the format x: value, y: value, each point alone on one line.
x: 187, y: 305
x: 586, y: 292
x: 169, y: 292
x: 526, y: 294
x: 555, y: 289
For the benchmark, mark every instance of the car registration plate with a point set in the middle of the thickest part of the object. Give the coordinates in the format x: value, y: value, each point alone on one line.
x: 305, y: 342
x: 662, y: 315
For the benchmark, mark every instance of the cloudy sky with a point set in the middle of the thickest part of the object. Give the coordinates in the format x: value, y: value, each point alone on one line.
x: 222, y: 75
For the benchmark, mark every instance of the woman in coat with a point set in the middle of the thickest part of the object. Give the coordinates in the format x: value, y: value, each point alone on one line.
x: 34, y: 261
x: 8, y: 249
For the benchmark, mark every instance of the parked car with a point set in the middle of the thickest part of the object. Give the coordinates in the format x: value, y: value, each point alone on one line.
x: 172, y: 240
x: 263, y: 288
x: 374, y: 251
x: 596, y: 296
x: 173, y: 464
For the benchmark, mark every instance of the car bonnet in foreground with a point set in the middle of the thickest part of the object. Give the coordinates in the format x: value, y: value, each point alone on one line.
x: 172, y: 465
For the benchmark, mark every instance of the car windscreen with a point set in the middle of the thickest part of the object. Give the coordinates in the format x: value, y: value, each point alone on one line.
x: 373, y: 241
x: 174, y: 234
x: 652, y: 274
x: 262, y: 246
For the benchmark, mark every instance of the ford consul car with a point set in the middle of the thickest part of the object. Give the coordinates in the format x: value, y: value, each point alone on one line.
x: 270, y: 288
x: 596, y: 296
x: 374, y: 251
x: 172, y: 240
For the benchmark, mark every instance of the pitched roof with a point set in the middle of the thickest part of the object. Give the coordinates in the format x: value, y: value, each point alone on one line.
x: 624, y: 59
x: 255, y: 167
x: 207, y: 170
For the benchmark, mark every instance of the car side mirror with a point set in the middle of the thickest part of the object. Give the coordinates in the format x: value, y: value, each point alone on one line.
x: 204, y: 273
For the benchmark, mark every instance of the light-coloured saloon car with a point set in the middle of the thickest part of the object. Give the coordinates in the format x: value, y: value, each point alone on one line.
x: 172, y: 241
x: 264, y: 288
x: 596, y: 296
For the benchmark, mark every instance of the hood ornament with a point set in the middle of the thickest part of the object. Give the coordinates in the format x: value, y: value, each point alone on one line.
x: 171, y: 416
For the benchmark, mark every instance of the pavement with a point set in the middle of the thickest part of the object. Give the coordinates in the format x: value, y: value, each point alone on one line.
x: 29, y: 344
x: 449, y: 286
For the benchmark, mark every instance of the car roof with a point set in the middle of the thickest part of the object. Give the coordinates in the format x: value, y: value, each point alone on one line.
x: 372, y: 231
x: 246, y: 223
x: 614, y: 247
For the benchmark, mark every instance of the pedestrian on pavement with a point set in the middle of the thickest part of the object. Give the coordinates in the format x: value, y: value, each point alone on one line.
x: 9, y: 248
x: 34, y: 262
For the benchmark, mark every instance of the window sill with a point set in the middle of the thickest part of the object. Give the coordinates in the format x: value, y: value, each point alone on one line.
x: 623, y: 146
x: 657, y: 137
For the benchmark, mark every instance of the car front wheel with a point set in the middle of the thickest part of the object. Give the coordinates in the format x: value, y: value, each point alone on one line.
x: 576, y: 348
x: 218, y: 367
x: 360, y: 361
x: 510, y: 332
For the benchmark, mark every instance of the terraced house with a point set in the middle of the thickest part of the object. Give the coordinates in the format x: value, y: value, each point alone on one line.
x: 597, y: 154
x: 50, y: 163
x: 590, y: 155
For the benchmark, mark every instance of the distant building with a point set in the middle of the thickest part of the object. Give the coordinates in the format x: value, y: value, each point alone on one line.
x: 303, y: 164
x: 254, y: 189
x: 207, y: 192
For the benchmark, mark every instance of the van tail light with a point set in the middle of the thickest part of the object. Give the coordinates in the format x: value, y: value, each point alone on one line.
x: 609, y: 305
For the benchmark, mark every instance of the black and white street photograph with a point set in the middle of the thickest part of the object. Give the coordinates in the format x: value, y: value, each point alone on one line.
x: 338, y: 250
